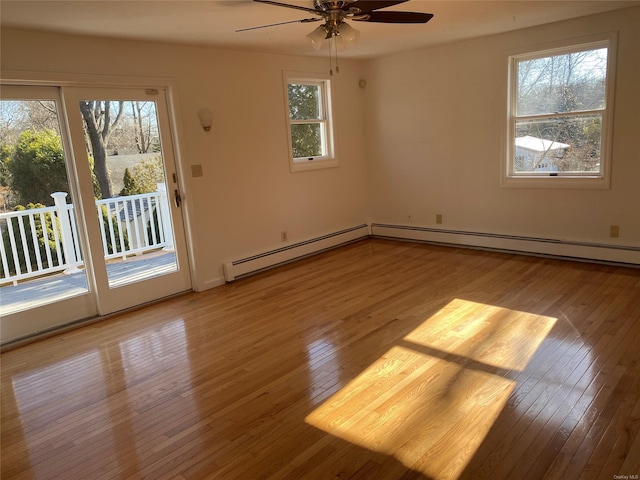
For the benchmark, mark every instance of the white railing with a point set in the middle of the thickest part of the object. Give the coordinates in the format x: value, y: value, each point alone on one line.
x: 30, y: 248
x: 42, y: 241
x: 134, y: 224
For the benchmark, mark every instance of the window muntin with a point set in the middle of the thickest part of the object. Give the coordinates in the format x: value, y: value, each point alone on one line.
x: 558, y: 113
x: 309, y: 123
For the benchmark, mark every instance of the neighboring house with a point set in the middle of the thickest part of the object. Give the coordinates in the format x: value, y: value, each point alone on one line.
x: 538, y: 155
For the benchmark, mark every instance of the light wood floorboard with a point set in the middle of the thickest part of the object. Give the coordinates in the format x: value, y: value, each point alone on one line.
x: 379, y: 360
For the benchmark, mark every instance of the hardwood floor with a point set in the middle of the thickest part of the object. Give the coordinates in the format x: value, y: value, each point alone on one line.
x: 378, y: 360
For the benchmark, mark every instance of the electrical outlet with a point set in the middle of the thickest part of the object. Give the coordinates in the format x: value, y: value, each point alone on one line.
x: 283, y: 235
x: 438, y: 219
x: 614, y: 231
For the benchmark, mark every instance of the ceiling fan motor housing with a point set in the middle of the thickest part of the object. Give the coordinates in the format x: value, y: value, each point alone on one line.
x: 327, y: 5
x: 335, y: 12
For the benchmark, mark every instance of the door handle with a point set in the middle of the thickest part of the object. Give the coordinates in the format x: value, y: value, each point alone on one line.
x: 176, y: 198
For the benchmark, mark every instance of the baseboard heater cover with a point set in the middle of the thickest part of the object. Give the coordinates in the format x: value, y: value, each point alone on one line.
x: 246, y: 266
x: 620, y: 254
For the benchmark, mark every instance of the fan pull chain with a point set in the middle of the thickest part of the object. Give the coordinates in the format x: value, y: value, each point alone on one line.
x: 335, y: 46
x: 331, y: 40
x: 333, y: 49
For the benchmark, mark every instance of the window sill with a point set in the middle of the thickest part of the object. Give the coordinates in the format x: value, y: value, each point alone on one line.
x: 304, y: 165
x: 594, y: 183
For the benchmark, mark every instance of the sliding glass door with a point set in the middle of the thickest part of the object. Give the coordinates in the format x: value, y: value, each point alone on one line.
x: 91, y: 221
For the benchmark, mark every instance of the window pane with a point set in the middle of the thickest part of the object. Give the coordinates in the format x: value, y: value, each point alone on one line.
x: 561, y: 144
x: 562, y: 83
x: 304, y: 102
x: 38, y: 235
x: 306, y: 140
x: 133, y: 210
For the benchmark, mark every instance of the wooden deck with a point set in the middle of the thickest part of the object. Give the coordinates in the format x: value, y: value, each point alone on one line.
x: 379, y: 360
x: 41, y: 291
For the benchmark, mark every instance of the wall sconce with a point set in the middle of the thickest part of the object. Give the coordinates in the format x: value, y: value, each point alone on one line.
x: 205, y: 119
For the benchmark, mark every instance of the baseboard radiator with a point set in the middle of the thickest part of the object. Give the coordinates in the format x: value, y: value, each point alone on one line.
x: 618, y: 254
x: 256, y: 263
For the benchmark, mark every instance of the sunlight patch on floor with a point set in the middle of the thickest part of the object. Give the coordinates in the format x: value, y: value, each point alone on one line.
x: 430, y: 400
x: 489, y: 334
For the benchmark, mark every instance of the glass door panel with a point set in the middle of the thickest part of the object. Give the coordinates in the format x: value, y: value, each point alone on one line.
x: 136, y: 231
x: 43, y: 276
x: 125, y: 155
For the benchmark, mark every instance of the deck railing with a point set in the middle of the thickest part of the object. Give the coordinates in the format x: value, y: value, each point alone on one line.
x: 42, y: 241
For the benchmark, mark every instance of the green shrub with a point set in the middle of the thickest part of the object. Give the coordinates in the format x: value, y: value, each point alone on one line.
x: 36, y: 167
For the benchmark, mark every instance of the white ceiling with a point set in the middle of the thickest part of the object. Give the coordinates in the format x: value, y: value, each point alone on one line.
x: 214, y: 22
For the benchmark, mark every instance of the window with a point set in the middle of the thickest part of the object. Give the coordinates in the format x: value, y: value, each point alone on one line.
x: 559, y: 116
x: 309, y: 122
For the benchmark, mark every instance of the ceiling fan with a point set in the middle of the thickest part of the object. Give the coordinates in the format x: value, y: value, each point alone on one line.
x: 334, y: 13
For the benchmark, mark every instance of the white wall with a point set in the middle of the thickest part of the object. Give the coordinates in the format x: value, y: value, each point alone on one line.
x: 247, y: 195
x: 435, y: 123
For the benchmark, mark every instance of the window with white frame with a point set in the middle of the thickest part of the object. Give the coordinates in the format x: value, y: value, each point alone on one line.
x: 309, y: 122
x: 559, y: 116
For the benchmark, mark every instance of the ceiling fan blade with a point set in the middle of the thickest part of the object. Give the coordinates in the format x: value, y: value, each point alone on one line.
x: 367, y: 6
x: 297, y: 7
x: 304, y: 20
x: 396, y: 17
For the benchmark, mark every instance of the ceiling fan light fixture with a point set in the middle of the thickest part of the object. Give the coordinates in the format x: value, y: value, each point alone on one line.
x: 348, y: 34
x: 317, y: 37
x: 344, y: 37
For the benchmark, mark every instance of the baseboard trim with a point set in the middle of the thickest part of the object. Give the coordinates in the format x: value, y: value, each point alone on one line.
x: 273, y: 258
x: 584, y: 251
x: 209, y: 284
